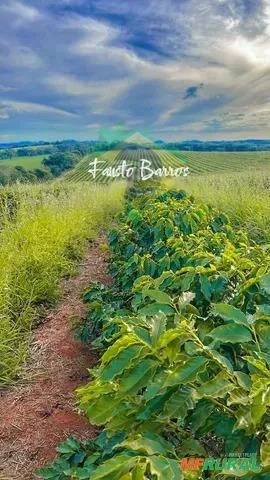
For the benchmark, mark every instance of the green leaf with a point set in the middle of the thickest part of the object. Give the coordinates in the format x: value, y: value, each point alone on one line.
x: 265, y: 451
x: 230, y: 313
x: 55, y: 471
x: 231, y: 333
x: 71, y: 445
x: 192, y: 447
x: 265, y: 284
x: 153, y: 406
x: 178, y: 405
x: 203, y: 410
x: 223, y: 361
x: 185, y: 299
x: 164, y: 468
x: 156, y: 386
x: 206, y: 287
x: 48, y: 474
x: 187, y: 372
x: 158, y: 296
x: 258, y: 364
x: 156, y: 308
x: 172, y: 335
x: 119, y: 345
x: 264, y: 335
x: 143, y: 335
x: 138, y: 473
x: 137, y: 377
x: 134, y: 217
x: 158, y: 327
x: 147, y: 446
x: 97, y: 410
x: 187, y: 280
x: 260, y: 404
x: 114, y: 468
x: 123, y: 361
x: 244, y: 380
x: 263, y: 309
x: 244, y: 420
x: 218, y: 387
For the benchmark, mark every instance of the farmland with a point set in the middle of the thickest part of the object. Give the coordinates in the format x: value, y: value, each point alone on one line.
x: 223, y: 162
x: 29, y: 163
x: 180, y: 328
x: 183, y: 333
x: 113, y: 159
x: 80, y: 172
x: 199, y: 163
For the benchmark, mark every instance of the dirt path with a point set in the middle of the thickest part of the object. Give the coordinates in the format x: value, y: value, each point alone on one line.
x: 36, y: 416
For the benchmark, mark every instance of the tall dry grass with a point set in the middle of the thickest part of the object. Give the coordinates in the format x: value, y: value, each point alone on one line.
x: 43, y: 232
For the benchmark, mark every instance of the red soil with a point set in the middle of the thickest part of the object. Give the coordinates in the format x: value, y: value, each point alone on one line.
x: 38, y: 414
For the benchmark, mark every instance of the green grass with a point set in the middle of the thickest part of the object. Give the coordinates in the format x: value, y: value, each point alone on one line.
x: 43, y: 233
x: 30, y: 163
x: 245, y: 196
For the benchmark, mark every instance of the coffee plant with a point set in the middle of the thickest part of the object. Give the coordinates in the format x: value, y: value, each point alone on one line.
x: 185, y: 338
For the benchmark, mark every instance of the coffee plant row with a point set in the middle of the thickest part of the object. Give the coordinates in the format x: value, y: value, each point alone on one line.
x: 185, y: 340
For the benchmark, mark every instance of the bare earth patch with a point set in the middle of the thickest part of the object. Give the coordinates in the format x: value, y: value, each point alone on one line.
x: 37, y: 415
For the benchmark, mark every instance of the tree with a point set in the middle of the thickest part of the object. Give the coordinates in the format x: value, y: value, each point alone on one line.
x: 59, y: 162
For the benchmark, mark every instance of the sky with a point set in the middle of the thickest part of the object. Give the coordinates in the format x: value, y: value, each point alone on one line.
x: 178, y: 69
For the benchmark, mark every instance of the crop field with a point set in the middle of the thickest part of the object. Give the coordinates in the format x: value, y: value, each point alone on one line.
x: 135, y: 240
x: 176, y: 307
x: 180, y: 327
x: 114, y: 158
x: 81, y: 171
x: 223, y: 162
x: 29, y: 163
x: 183, y: 334
x: 198, y: 162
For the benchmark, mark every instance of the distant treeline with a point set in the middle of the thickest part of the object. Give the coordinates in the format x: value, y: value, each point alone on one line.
x: 218, y: 146
x: 9, y: 150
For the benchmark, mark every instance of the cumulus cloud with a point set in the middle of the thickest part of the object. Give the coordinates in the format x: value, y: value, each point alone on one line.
x: 177, y: 68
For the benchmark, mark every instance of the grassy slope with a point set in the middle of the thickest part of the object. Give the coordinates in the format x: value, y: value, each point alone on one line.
x: 30, y: 163
x: 38, y: 246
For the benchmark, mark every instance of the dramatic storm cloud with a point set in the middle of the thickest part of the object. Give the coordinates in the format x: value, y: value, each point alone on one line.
x: 179, y: 69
